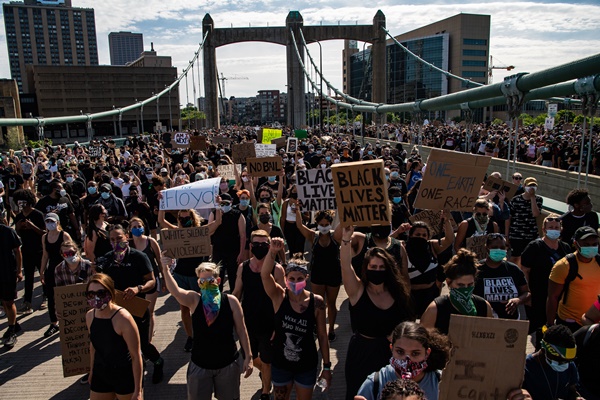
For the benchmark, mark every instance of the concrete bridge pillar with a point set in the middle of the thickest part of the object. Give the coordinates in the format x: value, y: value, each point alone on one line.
x: 378, y: 64
x: 295, y: 76
x: 211, y: 101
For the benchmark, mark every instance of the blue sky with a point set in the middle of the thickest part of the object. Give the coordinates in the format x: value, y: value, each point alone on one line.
x: 530, y: 35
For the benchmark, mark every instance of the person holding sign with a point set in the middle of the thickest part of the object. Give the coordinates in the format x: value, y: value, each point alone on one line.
x: 501, y: 282
x: 115, y: 355
x: 425, y: 272
x: 418, y: 354
x: 326, y: 273
x: 216, y: 363
x: 460, y: 273
x: 478, y: 225
x: 298, y: 313
x: 379, y: 301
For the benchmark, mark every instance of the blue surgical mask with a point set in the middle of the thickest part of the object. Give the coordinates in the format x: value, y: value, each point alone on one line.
x: 105, y: 195
x: 394, y: 175
x: 225, y: 209
x: 92, y: 190
x: 271, y: 179
x: 370, y: 152
x: 137, y: 232
x: 558, y: 367
x: 553, y: 234
x: 327, y: 158
x: 397, y: 200
x: 244, y: 203
x: 588, y: 251
x: 497, y: 254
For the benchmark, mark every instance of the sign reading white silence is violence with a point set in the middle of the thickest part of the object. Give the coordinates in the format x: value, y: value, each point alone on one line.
x: 195, y: 195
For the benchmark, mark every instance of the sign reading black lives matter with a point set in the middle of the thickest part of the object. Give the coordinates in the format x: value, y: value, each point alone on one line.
x: 315, y: 189
x: 95, y: 151
x: 71, y: 306
x: 361, y: 193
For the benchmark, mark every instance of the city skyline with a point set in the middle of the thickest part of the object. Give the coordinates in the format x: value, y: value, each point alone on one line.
x: 527, y: 34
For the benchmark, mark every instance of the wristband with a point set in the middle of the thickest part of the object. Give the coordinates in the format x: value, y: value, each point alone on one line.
x: 346, y: 241
x: 327, y: 366
x: 326, y: 369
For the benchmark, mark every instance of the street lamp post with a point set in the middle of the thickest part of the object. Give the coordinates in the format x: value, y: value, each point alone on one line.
x: 320, y: 84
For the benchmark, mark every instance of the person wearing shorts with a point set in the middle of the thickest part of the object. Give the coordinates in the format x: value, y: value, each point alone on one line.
x: 11, y: 265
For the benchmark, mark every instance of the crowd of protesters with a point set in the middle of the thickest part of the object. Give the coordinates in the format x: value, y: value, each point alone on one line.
x: 90, y: 214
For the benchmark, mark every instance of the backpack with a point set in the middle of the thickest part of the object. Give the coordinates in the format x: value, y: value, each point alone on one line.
x: 573, y: 273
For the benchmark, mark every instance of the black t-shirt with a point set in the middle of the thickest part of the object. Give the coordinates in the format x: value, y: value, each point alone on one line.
x: 498, y: 285
x: 61, y: 206
x: 9, y: 240
x: 129, y: 273
x: 32, y: 241
x: 540, y: 259
x: 227, y: 236
x: 570, y: 223
x: 12, y: 183
x: 587, y: 359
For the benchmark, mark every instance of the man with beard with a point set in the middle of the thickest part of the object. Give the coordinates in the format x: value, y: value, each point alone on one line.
x: 257, y: 306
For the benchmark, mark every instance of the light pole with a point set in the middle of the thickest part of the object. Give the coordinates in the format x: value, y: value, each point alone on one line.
x: 320, y: 84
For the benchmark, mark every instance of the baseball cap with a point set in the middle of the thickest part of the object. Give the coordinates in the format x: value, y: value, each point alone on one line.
x: 530, y: 181
x: 106, y: 186
x: 51, y: 217
x: 163, y: 170
x: 585, y: 232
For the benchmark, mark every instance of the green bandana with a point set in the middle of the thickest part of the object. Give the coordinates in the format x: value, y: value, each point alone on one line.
x: 462, y: 300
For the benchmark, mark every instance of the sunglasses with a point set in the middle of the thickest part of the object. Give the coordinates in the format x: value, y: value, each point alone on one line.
x: 259, y: 244
x: 552, y: 219
x: 90, y: 294
x: 517, y: 178
x: 207, y: 280
x: 69, y: 253
x: 479, y: 214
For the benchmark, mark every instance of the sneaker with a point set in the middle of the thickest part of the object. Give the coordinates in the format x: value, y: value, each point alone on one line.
x: 189, y: 344
x: 25, y: 308
x: 331, y: 336
x: 84, y: 379
x: 17, y: 327
x: 157, y: 374
x: 9, y: 339
x: 44, y: 304
x: 51, y: 331
x: 265, y: 396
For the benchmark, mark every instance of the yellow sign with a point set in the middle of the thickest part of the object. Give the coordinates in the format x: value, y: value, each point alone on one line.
x: 270, y: 134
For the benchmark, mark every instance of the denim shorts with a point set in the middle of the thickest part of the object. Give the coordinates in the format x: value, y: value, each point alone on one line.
x: 281, y: 377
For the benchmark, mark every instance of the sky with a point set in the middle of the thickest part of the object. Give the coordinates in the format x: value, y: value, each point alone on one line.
x: 531, y: 35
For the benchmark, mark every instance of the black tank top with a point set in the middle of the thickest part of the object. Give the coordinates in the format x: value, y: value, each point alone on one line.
x: 150, y: 253
x: 110, y: 348
x: 326, y: 257
x: 294, y: 346
x: 102, y: 243
x: 445, y: 309
x: 369, y: 320
x: 53, y: 250
x: 472, y: 229
x: 214, y: 346
x: 257, y: 305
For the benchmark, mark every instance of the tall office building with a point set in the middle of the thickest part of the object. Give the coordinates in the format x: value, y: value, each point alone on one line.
x: 459, y: 44
x: 48, y: 32
x: 125, y: 47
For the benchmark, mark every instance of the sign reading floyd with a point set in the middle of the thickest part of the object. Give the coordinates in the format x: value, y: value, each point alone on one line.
x: 451, y: 181
x: 361, y: 193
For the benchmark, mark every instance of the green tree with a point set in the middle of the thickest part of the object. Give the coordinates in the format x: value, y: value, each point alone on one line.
x: 565, y: 116
x: 191, y: 113
x: 540, y: 119
x: 525, y: 119
x: 393, y: 118
x: 497, y: 122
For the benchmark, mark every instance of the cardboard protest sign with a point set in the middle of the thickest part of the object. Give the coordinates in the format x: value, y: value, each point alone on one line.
x: 292, y: 145
x: 186, y: 242
x: 71, y: 305
x: 242, y: 151
x: 301, y: 133
x: 315, y: 189
x: 181, y: 140
x: 220, y: 140
x: 196, y: 195
x: 492, y: 183
x: 361, y: 194
x: 226, y: 171
x: 198, y: 143
x: 136, y: 306
x: 477, y: 245
x: 95, y: 151
x: 279, y: 143
x: 264, y: 150
x: 451, y: 181
x: 488, y: 358
x: 270, y: 134
x: 433, y: 218
x: 268, y: 166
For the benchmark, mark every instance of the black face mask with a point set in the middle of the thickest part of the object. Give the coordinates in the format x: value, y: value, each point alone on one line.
x: 380, y: 231
x: 264, y: 218
x: 376, y: 277
x: 260, y: 251
x: 418, y: 251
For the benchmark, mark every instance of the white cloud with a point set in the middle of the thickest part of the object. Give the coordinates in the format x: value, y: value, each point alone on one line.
x: 530, y: 35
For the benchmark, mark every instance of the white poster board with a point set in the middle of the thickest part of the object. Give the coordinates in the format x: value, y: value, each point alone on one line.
x: 196, y: 195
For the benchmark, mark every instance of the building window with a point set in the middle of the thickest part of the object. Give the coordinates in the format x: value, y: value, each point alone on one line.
x: 475, y: 42
x: 475, y: 53
x: 473, y: 74
x: 473, y: 63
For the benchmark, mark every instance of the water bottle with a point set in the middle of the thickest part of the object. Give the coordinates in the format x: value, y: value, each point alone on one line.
x: 322, y: 383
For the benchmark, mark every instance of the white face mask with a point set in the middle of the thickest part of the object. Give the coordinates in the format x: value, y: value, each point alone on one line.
x: 63, y: 192
x: 323, y: 165
x: 51, y: 226
x: 324, y: 229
